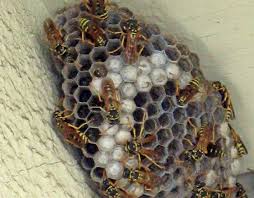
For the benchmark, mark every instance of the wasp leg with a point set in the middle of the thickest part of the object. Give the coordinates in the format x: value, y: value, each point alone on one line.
x: 193, y: 126
x: 121, y: 45
x: 151, y: 160
x: 92, y: 88
x: 143, y: 125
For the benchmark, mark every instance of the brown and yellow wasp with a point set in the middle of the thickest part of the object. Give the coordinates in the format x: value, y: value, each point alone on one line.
x: 225, y: 99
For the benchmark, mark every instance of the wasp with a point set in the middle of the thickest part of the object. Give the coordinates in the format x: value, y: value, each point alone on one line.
x: 214, y: 150
x: 185, y: 95
x: 238, y: 143
x: 71, y: 133
x: 143, y: 177
x: 225, y: 99
x: 135, y: 147
x: 131, y: 41
x: 241, y: 192
x: 200, y: 191
x: 95, y: 33
x: 56, y: 40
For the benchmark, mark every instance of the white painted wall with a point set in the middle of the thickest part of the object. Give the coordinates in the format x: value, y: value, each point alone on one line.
x: 33, y: 162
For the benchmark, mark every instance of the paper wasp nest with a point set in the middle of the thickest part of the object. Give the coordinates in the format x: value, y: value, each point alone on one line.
x: 147, y: 87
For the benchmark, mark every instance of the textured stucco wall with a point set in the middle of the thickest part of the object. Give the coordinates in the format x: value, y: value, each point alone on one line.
x: 34, y: 163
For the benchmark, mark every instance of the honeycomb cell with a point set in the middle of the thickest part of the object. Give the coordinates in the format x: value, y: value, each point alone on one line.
x: 161, y: 151
x: 84, y: 48
x: 185, y: 64
x: 219, y: 115
x: 158, y: 42
x: 172, y: 53
x: 179, y: 115
x: 71, y: 26
x: 170, y: 88
x: 69, y: 87
x: 197, y: 73
x: 148, y: 50
x: 194, y: 60
x: 183, y: 49
x: 164, y: 136
x: 138, y: 115
x: 170, y: 162
x: 87, y: 163
x: 113, y: 19
x: 97, y: 174
x: 165, y: 120
x: 128, y: 90
x: 152, y: 109
x: 69, y: 102
x: 141, y: 99
x: 157, y: 93
x: 60, y: 20
x: 178, y: 130
x: 126, y: 13
x: 91, y: 149
x: 178, y: 173
x: 93, y: 134
x: 114, y: 32
x: 150, y: 29
x: 150, y: 125
x: 99, y: 70
x: 72, y: 43
x: 95, y: 104
x: 71, y: 56
x: 99, y: 54
x: 159, y: 77
x: 82, y: 94
x: 71, y: 13
x: 82, y: 111
x: 84, y: 62
x: 174, y: 147
x: 167, y: 104
x: 78, y: 122
x: 95, y: 118
x: 170, y: 39
x: 194, y: 109
x: 166, y: 181
x: 114, y: 47
x: 70, y: 71
x: 206, y: 118
x: 144, y: 83
x: 84, y: 79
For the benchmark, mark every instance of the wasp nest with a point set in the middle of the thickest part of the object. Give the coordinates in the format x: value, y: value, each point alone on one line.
x: 138, y: 106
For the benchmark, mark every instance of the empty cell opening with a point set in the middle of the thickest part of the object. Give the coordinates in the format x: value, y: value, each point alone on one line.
x: 150, y: 29
x: 99, y: 70
x: 100, y: 55
x: 196, y: 73
x: 183, y: 49
x: 185, y: 64
x: 97, y: 173
x: 114, y: 47
x: 85, y: 62
x: 69, y: 87
x: 69, y: 102
x: 165, y: 120
x: 71, y: 42
x: 84, y: 79
x: 96, y: 119
x: 152, y: 109
x: 150, y: 125
x: 157, y: 93
x: 93, y: 134
x: 113, y: 19
x: 71, y: 28
x: 148, y: 50
x: 83, y: 111
x: 84, y: 48
x: 170, y: 88
x: 172, y: 53
x: 193, y: 109
x: 177, y: 173
x: 158, y: 42
x: 164, y: 136
x: 166, y: 181
x: 70, y: 71
x: 91, y: 149
x: 141, y: 99
x: 71, y: 56
x: 87, y: 163
x: 78, y: 123
x: 179, y: 115
x: 167, y: 104
x: 71, y: 13
x: 161, y: 151
x: 170, y: 162
x: 138, y: 115
x: 174, y: 147
x: 95, y: 103
x: 60, y: 20
x: 170, y: 39
x: 194, y: 60
x: 178, y: 130
x: 84, y: 95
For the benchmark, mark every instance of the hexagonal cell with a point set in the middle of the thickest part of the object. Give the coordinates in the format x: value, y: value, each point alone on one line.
x: 170, y: 88
x: 82, y: 111
x: 113, y: 18
x: 69, y: 102
x: 197, y: 73
x: 165, y: 120
x: 60, y: 20
x: 152, y: 109
x: 183, y: 49
x: 84, y: 47
x: 114, y: 47
x: 78, y: 122
x: 138, y: 115
x: 194, y: 109
x: 167, y: 104
x: 161, y: 151
x: 166, y: 181
x: 97, y: 174
x: 178, y: 130
x: 164, y: 136
x: 179, y: 115
x: 150, y: 125
x: 71, y: 56
x: 93, y: 134
x: 158, y: 42
x: 113, y: 32
x: 172, y: 53
x: 185, y: 64
x: 174, y: 147
x: 71, y: 13
x: 157, y: 93
x: 90, y: 148
x: 74, y: 36
x: 148, y: 50
x: 71, y: 42
x: 69, y: 87
x: 95, y: 104
x: 96, y: 119
x: 170, y: 162
x: 150, y: 29
x: 170, y: 39
x: 82, y: 94
x: 99, y: 70
x: 219, y: 115
x: 69, y: 71
x: 141, y: 99
x: 84, y: 79
x: 84, y: 62
x: 194, y: 60
x: 87, y: 163
x: 99, y: 54
x: 178, y: 173
x: 71, y: 26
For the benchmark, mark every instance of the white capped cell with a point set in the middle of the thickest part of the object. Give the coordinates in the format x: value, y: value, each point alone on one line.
x: 126, y: 121
x: 95, y: 86
x: 118, y: 153
x: 117, y: 79
x: 106, y: 143
x: 101, y: 159
x: 159, y: 77
x: 128, y: 106
x: 132, y: 163
x: 129, y: 73
x: 144, y: 66
x: 158, y: 59
x: 114, y: 170
x: 144, y: 83
x: 114, y: 64
x: 184, y: 79
x: 128, y: 90
x: 172, y: 71
x: 211, y: 178
x: 108, y: 129
x: 136, y: 189
x: 123, y: 136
